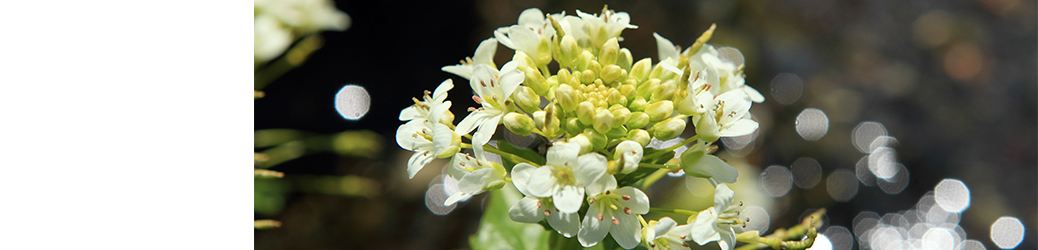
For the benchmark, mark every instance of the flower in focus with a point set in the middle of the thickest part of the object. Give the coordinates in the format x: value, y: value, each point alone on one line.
x: 432, y: 108
x: 726, y: 117
x: 474, y: 176
x: 492, y: 89
x: 613, y: 211
x: 717, y: 223
x: 600, y: 28
x: 532, y: 209
x: 532, y: 35
x: 629, y: 155
x: 666, y: 234
x: 565, y: 175
x: 697, y: 161
x: 428, y: 141
x: 484, y: 55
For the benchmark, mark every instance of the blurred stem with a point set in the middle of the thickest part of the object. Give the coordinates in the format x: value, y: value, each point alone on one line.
x: 259, y: 94
x: 671, y: 148
x: 506, y: 155
x: 267, y: 224
x: 294, y: 57
x: 655, y: 176
x: 674, y: 211
x: 263, y: 173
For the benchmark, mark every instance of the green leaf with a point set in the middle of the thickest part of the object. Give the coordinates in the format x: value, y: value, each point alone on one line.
x: 521, y: 152
x: 498, y: 231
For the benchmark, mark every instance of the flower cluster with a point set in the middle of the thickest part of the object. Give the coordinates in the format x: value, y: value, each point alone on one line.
x: 570, y: 82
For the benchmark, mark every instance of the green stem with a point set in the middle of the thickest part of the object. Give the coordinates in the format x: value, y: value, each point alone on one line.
x: 673, y: 211
x: 651, y: 179
x: 506, y: 155
x: 672, y: 148
x: 650, y: 165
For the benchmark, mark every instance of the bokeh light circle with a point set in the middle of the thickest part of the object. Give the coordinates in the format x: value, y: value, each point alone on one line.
x: 434, y: 198
x: 758, y: 218
x: 952, y: 195
x: 865, y: 133
x: 842, y: 185
x: 812, y: 124
x: 806, y: 172
x: 897, y: 183
x: 1007, y: 232
x: 352, y: 102
x: 776, y: 180
x: 786, y: 88
x: 821, y: 243
x: 840, y: 237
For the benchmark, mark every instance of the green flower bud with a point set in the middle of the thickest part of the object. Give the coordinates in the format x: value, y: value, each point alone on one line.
x: 535, y: 80
x: 584, y: 60
x: 668, y: 129
x: 647, y: 87
x: 494, y: 185
x: 570, y: 51
x: 620, y: 116
x: 596, y: 67
x: 587, y: 77
x: 586, y: 112
x: 611, y: 73
x: 551, y: 121
x: 616, y: 98
x: 598, y: 140
x: 564, y: 76
x: 665, y: 91
x: 583, y: 141
x: 640, y: 70
x: 567, y: 97
x: 638, y: 104
x: 638, y: 120
x: 573, y: 126
x: 519, y: 123
x: 660, y: 110
x: 603, y: 120
x: 625, y: 60
x: 639, y: 135
x: 610, y: 51
x: 617, y: 132
x: 523, y: 59
x: 526, y: 99
x: 627, y: 91
x: 543, y: 56
x: 690, y: 157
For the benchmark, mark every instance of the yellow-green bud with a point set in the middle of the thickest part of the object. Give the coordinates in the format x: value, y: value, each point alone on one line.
x: 690, y: 157
x: 586, y: 112
x: 669, y: 129
x: 616, y: 98
x: 639, y: 135
x: 657, y: 72
x: 567, y: 97
x: 573, y: 126
x: 640, y: 70
x: 611, y: 73
x: 587, y: 77
x: 617, y: 132
x: 569, y: 51
x: 551, y: 121
x: 494, y: 185
x: 637, y: 120
x: 598, y: 140
x: 523, y: 59
x: 638, y: 104
x: 564, y: 76
x: 647, y: 87
x: 596, y: 67
x: 535, y: 80
x: 620, y: 116
x: 583, y: 141
x: 518, y: 123
x: 603, y: 120
x: 660, y: 110
x: 526, y: 99
x: 665, y: 91
x: 538, y: 118
x: 610, y: 51
x: 625, y: 60
x: 584, y: 60
x: 543, y: 56
x: 448, y: 117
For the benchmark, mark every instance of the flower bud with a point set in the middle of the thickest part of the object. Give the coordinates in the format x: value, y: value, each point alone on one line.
x: 535, y: 80
x: 611, y: 73
x: 706, y: 128
x: 690, y: 157
x: 610, y: 51
x: 519, y: 123
x: 617, y: 132
x: 629, y: 154
x: 638, y: 120
x: 660, y: 110
x: 627, y: 90
x: 583, y: 141
x: 584, y: 60
x: 543, y: 56
x: 551, y: 121
x: 564, y: 76
x: 639, y: 135
x: 598, y: 140
x: 587, y: 77
x: 567, y: 97
x: 596, y: 67
x: 538, y: 118
x: 665, y: 91
x: 615, y: 98
x: 625, y: 60
x: 526, y: 99
x: 523, y: 59
x: 603, y: 120
x: 569, y: 51
x: 448, y: 117
x: 646, y: 88
x: 586, y: 112
x: 494, y: 185
x: 638, y: 104
x: 669, y: 128
x: 620, y: 116
x: 573, y: 126
x: 640, y: 70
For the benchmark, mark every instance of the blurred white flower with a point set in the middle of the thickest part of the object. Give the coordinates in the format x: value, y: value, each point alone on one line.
x: 271, y: 38
x: 484, y: 55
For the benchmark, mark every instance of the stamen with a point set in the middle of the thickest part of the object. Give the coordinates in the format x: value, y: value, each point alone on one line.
x: 684, y: 244
x: 477, y: 99
x: 616, y: 222
x: 538, y: 203
x: 626, y: 197
x: 472, y: 109
x: 600, y: 216
x: 591, y: 202
x: 547, y: 213
x: 482, y: 83
x: 627, y: 210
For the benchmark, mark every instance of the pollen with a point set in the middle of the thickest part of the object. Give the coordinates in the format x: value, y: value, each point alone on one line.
x: 600, y: 217
x: 592, y: 201
x: 626, y: 197
x: 627, y: 210
x: 616, y: 222
x: 538, y: 203
x: 547, y: 213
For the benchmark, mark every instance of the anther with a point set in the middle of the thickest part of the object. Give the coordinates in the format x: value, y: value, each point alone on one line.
x: 616, y: 222
x: 547, y: 213
x: 684, y: 244
x: 607, y: 192
x: 462, y: 164
x: 538, y: 203
x: 591, y: 202
x: 477, y: 99
x: 627, y: 210
x: 626, y: 197
x: 482, y: 83
x: 600, y: 217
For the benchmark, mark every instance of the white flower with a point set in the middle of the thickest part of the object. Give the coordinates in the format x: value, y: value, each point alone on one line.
x: 709, y: 166
x: 629, y: 155
x: 565, y: 176
x: 725, y: 118
x: 493, y: 88
x: 613, y: 211
x: 729, y: 77
x: 533, y: 209
x: 432, y: 107
x: 428, y: 141
x: 715, y: 223
x: 271, y: 38
x: 600, y: 28
x: 666, y: 234
x: 532, y: 35
x: 305, y: 16
x: 666, y: 49
x: 484, y: 55
x: 474, y: 176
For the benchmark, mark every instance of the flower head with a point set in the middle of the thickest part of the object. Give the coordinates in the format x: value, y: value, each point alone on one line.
x: 484, y: 55
x: 493, y: 88
x: 431, y: 107
x: 666, y: 234
x: 474, y: 176
x: 726, y: 117
x: 428, y: 141
x: 718, y: 223
x: 613, y: 211
x: 534, y: 209
x: 565, y: 175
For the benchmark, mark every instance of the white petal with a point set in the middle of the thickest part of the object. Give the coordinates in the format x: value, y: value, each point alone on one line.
x: 667, y: 66
x: 483, y: 135
x: 521, y: 176
x: 510, y: 81
x: 755, y: 96
x: 523, y: 39
x: 706, y: 127
x: 474, y: 182
x: 723, y: 197
x: 562, y: 153
x: 408, y: 113
x: 664, y: 226
x: 631, y: 154
x: 531, y: 16
x: 526, y: 211
x: 739, y: 128
x: 606, y: 182
x: 454, y: 198
x: 470, y: 122
x: 665, y: 48
x: 703, y: 230
x: 727, y: 241
x: 712, y: 167
x: 589, y: 167
x: 639, y: 202
x: 464, y: 71
x: 406, y: 138
x: 442, y: 136
x: 592, y: 230
x: 440, y: 93
x: 485, y: 52
x: 682, y: 230
x: 628, y: 232
x: 568, y: 199
x: 502, y: 37
x: 567, y: 224
x: 417, y: 162
x: 542, y: 182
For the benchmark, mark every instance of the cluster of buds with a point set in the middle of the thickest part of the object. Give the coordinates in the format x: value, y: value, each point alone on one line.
x: 599, y: 110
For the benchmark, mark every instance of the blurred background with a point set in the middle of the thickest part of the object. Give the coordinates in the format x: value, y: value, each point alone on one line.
x: 912, y: 122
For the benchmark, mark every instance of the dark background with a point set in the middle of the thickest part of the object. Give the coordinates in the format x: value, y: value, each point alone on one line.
x: 959, y: 94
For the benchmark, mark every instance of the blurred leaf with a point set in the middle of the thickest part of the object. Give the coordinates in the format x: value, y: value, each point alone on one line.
x: 273, y: 137
x: 521, y: 152
x: 269, y: 196
x: 498, y: 231
x: 359, y: 143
